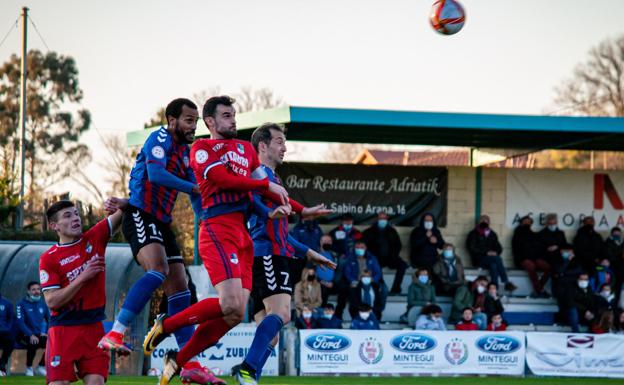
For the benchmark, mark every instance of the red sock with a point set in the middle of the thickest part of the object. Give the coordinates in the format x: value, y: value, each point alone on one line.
x: 204, y: 310
x: 206, y: 335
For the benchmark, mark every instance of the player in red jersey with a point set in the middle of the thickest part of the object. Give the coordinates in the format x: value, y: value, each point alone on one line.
x: 72, y: 275
x: 223, y: 167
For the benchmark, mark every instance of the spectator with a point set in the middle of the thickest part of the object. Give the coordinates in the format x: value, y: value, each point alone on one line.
x: 466, y: 323
x: 305, y: 320
x: 448, y: 272
x: 354, y: 268
x: 604, y: 324
x: 345, y: 236
x: 425, y: 241
x: 485, y: 250
x: 471, y: 295
x: 615, y: 252
x: 365, y: 319
x: 366, y: 293
x: 496, y: 323
x: 551, y: 239
x: 430, y: 318
x: 308, y: 232
x: 307, y: 291
x: 603, y: 274
x: 492, y: 304
x: 619, y: 324
x: 383, y: 241
x: 588, y: 245
x: 326, y: 276
x: 7, y: 333
x: 341, y: 285
x: 606, y: 299
x: 420, y: 293
x: 566, y: 269
x: 528, y: 255
x: 33, y: 319
x: 328, y: 320
x: 582, y: 304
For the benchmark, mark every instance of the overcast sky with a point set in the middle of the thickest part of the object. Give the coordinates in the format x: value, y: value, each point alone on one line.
x: 135, y: 56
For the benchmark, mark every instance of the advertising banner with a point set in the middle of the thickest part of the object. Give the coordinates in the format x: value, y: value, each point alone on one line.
x: 405, y: 193
x: 577, y: 355
x: 411, y: 352
x: 231, y: 350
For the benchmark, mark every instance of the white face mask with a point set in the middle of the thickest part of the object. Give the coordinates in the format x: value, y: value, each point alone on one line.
x: 605, y: 294
x: 366, y: 280
x: 480, y: 289
x: 364, y: 315
x: 552, y: 227
x: 428, y: 225
x: 307, y: 314
x: 583, y: 284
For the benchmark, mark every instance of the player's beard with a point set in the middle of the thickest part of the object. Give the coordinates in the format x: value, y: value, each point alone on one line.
x: 182, y: 137
x: 228, y: 134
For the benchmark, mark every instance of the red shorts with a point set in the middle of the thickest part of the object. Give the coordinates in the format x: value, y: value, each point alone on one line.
x: 75, y: 345
x: 226, y: 249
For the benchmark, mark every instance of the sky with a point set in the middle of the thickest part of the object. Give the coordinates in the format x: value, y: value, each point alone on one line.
x: 135, y: 56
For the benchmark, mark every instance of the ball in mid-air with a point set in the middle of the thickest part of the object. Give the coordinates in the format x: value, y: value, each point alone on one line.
x: 447, y: 16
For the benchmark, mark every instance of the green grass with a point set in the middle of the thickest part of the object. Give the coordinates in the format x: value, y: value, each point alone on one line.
x: 349, y: 380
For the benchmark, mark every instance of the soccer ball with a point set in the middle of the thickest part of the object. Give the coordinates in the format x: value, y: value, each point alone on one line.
x: 447, y: 16
x: 153, y: 372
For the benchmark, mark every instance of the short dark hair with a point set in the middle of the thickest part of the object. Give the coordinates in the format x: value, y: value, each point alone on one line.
x: 613, y: 230
x: 263, y: 134
x: 431, y: 309
x: 329, y: 306
x: 174, y: 108
x: 56, y: 207
x: 347, y: 217
x: 31, y: 284
x: 210, y: 107
x: 482, y: 278
x: 467, y: 308
x: 365, y: 307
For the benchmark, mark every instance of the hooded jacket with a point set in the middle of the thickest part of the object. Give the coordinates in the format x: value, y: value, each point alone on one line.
x: 423, y: 253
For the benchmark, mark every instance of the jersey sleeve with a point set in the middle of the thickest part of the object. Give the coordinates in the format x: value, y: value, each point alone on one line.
x: 49, y: 276
x: 101, y: 233
x: 156, y: 148
x: 255, y: 161
x: 203, y: 159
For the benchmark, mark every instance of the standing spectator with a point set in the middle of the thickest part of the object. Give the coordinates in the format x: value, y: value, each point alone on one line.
x: 383, y: 241
x: 33, y: 319
x: 307, y: 291
x: 566, y: 269
x: 366, y: 293
x: 345, y: 236
x: 528, y: 255
x: 7, y: 336
x: 466, y: 323
x: 588, y: 245
x: 365, y: 319
x: 496, y: 323
x: 308, y: 232
x: 552, y: 239
x: 485, y: 250
x: 448, y: 272
x: 328, y: 320
x: 471, y: 295
x: 492, y: 304
x: 430, y: 318
x: 425, y: 241
x: 326, y: 276
x: 615, y: 252
x: 420, y: 294
x: 305, y: 320
x: 605, y: 324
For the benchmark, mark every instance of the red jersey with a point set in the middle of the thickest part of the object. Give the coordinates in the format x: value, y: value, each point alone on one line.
x: 239, y: 157
x: 62, y: 264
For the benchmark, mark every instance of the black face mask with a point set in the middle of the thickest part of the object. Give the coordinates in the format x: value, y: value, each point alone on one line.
x: 326, y: 246
x: 484, y: 225
x: 311, y: 277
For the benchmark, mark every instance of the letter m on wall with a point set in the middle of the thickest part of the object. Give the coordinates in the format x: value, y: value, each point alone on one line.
x: 603, y: 186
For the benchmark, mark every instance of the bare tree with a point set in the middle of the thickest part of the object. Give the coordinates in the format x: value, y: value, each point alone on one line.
x: 119, y: 163
x: 343, y: 152
x: 248, y: 99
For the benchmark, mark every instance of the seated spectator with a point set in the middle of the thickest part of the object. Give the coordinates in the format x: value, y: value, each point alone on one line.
x: 581, y: 304
x: 606, y: 299
x: 308, y: 232
x: 420, y: 293
x: 328, y: 320
x: 425, y: 241
x: 430, y: 318
x: 7, y: 333
x: 588, y: 245
x: 603, y: 274
x: 471, y: 295
x: 466, y: 323
x: 605, y: 324
x: 323, y: 275
x: 307, y: 291
x: 528, y: 255
x: 551, y: 239
x: 33, y: 319
x: 448, y: 272
x: 485, y: 251
x: 383, y: 241
x: 619, y: 324
x: 345, y: 236
x: 492, y: 304
x: 365, y: 319
x: 365, y: 293
x: 496, y: 323
x: 615, y: 252
x: 305, y: 320
x: 360, y: 260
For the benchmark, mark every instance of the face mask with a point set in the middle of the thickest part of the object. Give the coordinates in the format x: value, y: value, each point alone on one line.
x: 497, y: 323
x: 605, y: 294
x: 347, y: 227
x: 328, y: 315
x: 423, y: 278
x: 552, y: 227
x: 616, y: 238
x: 428, y: 225
x: 492, y: 294
x: 565, y: 254
x: 484, y: 225
x: 364, y: 315
x: 307, y: 314
x: 382, y: 223
x: 311, y: 277
x: 326, y: 246
x: 434, y: 318
x: 480, y: 289
x: 366, y: 281
x: 448, y: 253
x: 360, y: 252
x: 583, y: 284
x: 35, y: 297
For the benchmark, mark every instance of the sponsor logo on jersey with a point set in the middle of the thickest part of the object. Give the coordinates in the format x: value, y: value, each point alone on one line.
x: 43, y: 276
x: 240, y: 148
x: 234, y: 258
x: 56, y: 361
x: 89, y: 248
x: 71, y: 258
x: 201, y: 156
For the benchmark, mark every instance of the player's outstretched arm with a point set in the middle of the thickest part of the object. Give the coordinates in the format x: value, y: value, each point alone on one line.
x: 265, y: 212
x: 114, y: 207
x: 318, y: 259
x: 57, y: 298
x: 159, y: 175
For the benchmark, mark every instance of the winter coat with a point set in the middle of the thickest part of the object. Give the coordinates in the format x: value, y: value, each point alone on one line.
x: 420, y: 294
x: 307, y: 293
x: 492, y: 306
x: 33, y: 317
x: 549, y: 238
x: 441, y: 276
x: 374, y: 237
x: 423, y: 253
x: 478, y: 244
x: 525, y: 245
x: 370, y: 324
x: 7, y: 316
x: 466, y: 326
x: 589, y: 247
x: 332, y: 323
x: 424, y: 322
x: 343, y: 243
x: 309, y: 233
x: 351, y: 269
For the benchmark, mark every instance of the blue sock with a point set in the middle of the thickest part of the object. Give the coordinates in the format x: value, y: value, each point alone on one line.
x: 138, y: 296
x: 176, y: 303
x: 263, y: 360
x: 265, y: 332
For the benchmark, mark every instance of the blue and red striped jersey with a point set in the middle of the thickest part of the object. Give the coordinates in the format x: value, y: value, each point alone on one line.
x: 161, y: 170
